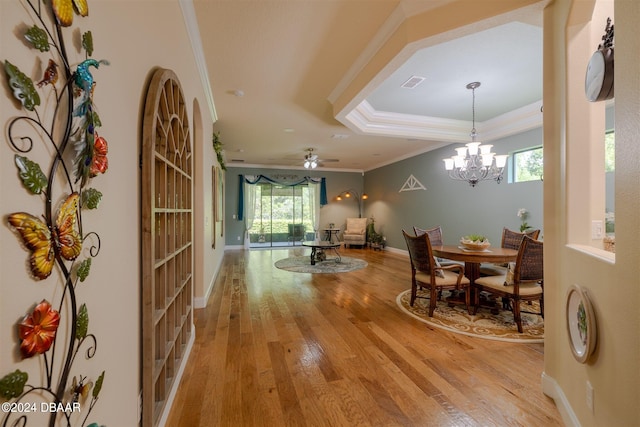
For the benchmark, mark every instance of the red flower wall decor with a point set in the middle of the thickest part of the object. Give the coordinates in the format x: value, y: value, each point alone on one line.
x: 38, y: 330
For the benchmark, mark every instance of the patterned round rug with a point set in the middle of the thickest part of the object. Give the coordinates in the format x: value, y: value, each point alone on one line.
x: 500, y: 327
x: 302, y: 264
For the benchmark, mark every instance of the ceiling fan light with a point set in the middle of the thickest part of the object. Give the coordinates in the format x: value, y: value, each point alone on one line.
x: 313, y: 164
x: 307, y: 164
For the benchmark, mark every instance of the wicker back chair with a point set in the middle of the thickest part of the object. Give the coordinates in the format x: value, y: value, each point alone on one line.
x: 525, y: 283
x: 512, y: 239
x: 435, y: 234
x: 427, y: 274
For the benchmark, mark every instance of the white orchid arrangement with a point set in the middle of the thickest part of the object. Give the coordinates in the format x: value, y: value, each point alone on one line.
x: 523, y: 215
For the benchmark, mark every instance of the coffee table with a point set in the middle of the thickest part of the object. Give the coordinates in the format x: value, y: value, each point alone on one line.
x: 318, y: 249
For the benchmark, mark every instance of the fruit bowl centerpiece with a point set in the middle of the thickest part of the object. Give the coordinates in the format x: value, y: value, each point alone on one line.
x: 475, y: 242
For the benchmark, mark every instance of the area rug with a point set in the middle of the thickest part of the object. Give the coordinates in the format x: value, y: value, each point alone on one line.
x: 500, y: 327
x: 302, y: 264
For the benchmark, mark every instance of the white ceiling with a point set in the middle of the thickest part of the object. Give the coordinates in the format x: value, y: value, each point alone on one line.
x: 292, y: 60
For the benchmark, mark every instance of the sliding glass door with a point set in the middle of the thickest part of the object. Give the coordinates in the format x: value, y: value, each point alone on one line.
x: 282, y: 215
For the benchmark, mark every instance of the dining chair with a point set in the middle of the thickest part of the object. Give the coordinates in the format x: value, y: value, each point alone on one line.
x: 524, y: 283
x: 510, y: 240
x: 435, y: 237
x: 426, y: 274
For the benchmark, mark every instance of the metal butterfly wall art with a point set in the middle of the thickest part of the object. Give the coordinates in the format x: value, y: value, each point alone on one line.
x: 44, y: 243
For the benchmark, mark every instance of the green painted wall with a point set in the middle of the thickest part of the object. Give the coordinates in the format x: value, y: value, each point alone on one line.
x: 459, y: 208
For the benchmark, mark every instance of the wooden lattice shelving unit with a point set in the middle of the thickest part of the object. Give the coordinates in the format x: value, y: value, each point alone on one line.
x: 167, y: 242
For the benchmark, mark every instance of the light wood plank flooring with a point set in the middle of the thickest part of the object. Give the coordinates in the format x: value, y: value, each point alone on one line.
x: 275, y: 348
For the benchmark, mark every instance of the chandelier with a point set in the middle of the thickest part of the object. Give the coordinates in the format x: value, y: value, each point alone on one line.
x: 475, y: 162
x: 310, y: 159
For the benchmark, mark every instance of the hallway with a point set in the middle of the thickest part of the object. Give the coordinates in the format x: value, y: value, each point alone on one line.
x: 276, y: 348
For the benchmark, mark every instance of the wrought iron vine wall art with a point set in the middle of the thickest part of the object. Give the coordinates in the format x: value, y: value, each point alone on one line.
x: 56, y: 242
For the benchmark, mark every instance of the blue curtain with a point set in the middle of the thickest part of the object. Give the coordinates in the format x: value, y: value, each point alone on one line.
x: 242, y: 179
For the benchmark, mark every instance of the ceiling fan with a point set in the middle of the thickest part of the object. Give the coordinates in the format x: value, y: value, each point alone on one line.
x: 311, y: 160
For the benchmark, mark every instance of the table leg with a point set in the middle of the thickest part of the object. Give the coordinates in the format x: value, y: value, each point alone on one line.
x: 313, y: 256
x: 338, y: 258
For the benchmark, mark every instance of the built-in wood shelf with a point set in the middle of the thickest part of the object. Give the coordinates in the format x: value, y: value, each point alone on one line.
x: 167, y: 242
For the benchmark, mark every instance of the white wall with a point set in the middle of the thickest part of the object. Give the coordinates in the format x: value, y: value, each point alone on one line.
x: 135, y: 37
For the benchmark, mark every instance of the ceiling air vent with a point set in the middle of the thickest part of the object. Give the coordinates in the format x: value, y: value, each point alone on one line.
x: 412, y: 82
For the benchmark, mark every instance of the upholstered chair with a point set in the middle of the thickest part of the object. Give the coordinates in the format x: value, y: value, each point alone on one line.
x: 426, y: 273
x: 356, y: 232
x: 523, y: 283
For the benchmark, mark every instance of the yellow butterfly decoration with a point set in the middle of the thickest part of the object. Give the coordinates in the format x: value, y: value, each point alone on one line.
x: 64, y: 9
x: 44, y: 243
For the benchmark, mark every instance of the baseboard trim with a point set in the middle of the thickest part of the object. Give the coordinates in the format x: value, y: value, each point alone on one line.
x: 176, y: 383
x: 551, y: 388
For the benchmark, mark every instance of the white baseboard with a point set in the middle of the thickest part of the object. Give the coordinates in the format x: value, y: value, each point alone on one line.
x: 552, y: 389
x: 176, y: 383
x: 397, y: 251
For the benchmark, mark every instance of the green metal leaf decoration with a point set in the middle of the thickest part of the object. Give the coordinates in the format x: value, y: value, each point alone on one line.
x: 91, y: 198
x: 38, y: 38
x: 96, y: 120
x: 12, y: 385
x: 31, y: 174
x: 98, y: 386
x: 83, y: 269
x: 22, y: 86
x: 87, y: 42
x: 82, y: 322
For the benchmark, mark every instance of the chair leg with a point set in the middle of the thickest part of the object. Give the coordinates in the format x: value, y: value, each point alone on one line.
x: 516, y: 314
x: 414, y: 292
x: 432, y: 300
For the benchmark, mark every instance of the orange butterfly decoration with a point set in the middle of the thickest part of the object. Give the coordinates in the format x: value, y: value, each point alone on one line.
x: 99, y: 163
x: 43, y: 242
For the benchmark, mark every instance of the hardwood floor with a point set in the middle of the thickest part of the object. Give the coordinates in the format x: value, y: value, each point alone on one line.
x: 275, y: 348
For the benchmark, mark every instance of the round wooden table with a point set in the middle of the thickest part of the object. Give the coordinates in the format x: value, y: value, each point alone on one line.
x: 472, y: 259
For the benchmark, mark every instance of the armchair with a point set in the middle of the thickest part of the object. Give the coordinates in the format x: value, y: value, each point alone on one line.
x: 356, y: 232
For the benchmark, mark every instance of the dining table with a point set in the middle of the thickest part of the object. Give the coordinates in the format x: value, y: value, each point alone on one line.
x: 472, y: 258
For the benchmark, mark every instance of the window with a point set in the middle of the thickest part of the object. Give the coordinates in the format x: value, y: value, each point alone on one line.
x: 610, y: 151
x: 282, y: 215
x: 527, y: 165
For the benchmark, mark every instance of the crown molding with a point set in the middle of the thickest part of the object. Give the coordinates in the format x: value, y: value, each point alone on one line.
x: 364, y: 119
x: 191, y: 24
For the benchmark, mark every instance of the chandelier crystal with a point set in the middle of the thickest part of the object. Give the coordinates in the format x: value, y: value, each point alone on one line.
x: 475, y: 162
